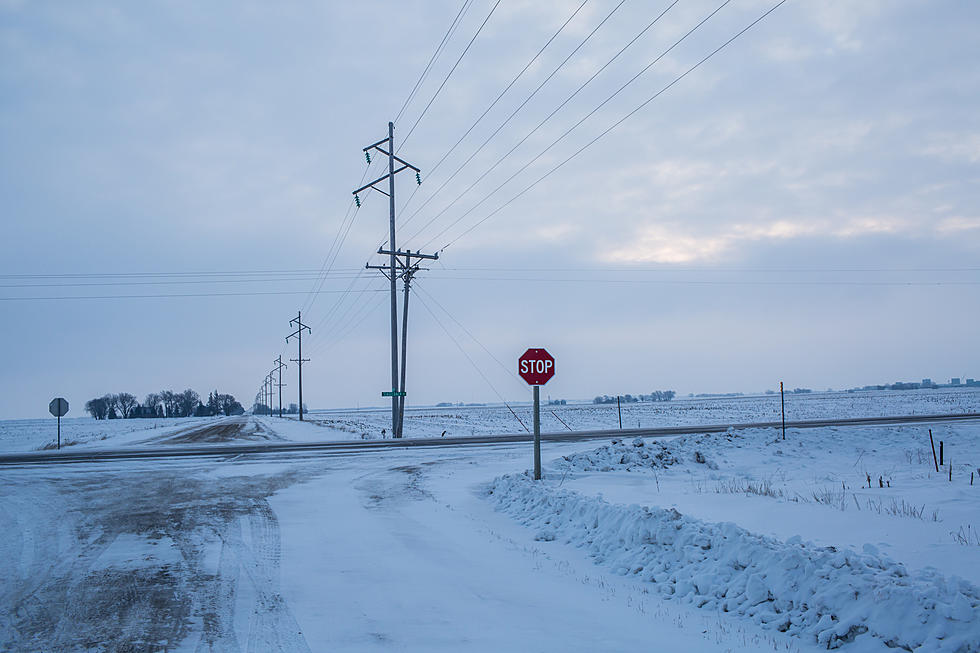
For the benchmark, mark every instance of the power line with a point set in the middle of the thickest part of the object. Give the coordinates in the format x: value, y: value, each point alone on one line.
x: 432, y: 59
x: 164, y: 283
x: 629, y: 269
x: 565, y: 133
x: 611, y: 127
x: 472, y: 362
x: 348, y: 326
x: 568, y: 99
x: 518, y: 109
x: 450, y: 73
x: 494, y: 103
x: 112, y: 275
x: 510, y: 371
x: 683, y: 282
x: 328, y: 262
x: 160, y: 296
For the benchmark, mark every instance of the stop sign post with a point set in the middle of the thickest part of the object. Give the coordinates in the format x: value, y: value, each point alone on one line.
x: 59, y: 408
x: 536, y: 366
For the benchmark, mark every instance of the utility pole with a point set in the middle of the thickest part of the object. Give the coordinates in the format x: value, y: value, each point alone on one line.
x: 392, y: 268
x: 279, y: 367
x: 298, y: 333
x: 268, y: 391
x: 407, y: 266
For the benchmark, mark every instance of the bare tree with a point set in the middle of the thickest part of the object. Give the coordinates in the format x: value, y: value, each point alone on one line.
x: 98, y: 408
x: 187, y: 402
x: 152, y: 402
x: 127, y: 404
x: 112, y: 404
x: 171, y: 403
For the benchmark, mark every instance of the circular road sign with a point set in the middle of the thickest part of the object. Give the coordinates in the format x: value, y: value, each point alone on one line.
x: 536, y: 366
x: 58, y: 407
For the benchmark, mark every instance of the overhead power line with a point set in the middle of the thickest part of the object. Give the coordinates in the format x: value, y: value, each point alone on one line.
x: 624, y: 268
x: 435, y: 55
x: 449, y: 74
x: 168, y: 295
x: 495, y: 101
x: 568, y: 99
x: 518, y: 109
x: 564, y: 134
x: 610, y: 128
x: 472, y: 362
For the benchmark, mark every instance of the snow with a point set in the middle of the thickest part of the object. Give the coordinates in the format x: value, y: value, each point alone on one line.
x: 36, y: 434
x: 821, y: 593
x: 627, y: 544
x: 461, y: 421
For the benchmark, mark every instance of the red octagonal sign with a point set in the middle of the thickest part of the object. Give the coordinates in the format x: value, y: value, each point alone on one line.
x: 536, y: 366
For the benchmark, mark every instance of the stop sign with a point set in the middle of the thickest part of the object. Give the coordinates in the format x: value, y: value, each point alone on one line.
x: 58, y: 407
x: 536, y: 366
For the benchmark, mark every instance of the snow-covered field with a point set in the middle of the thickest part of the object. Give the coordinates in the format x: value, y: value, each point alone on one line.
x: 736, y: 541
x: 797, y: 535
x: 458, y: 421
x: 36, y: 434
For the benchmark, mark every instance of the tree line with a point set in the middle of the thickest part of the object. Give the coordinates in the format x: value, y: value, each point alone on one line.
x: 656, y: 395
x: 165, y: 403
x: 259, y: 408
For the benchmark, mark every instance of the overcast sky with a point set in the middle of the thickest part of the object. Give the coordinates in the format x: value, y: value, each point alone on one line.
x: 801, y: 207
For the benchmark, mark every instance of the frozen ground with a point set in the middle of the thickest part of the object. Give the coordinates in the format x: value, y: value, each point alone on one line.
x: 379, y: 551
x: 458, y: 421
x: 790, y: 534
x: 35, y: 434
x: 735, y: 541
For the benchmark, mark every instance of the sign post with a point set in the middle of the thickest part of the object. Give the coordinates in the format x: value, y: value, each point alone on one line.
x: 536, y: 366
x: 58, y: 407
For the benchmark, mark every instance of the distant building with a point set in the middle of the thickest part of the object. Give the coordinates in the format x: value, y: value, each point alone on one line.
x: 954, y: 381
x: 926, y: 383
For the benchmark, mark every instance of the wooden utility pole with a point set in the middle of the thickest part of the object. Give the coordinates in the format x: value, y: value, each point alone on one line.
x: 298, y: 334
x: 399, y: 263
x: 279, y: 368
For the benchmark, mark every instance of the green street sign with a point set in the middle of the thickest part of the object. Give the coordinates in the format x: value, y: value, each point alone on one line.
x: 393, y: 393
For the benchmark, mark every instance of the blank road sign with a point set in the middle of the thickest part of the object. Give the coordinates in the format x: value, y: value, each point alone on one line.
x: 58, y: 407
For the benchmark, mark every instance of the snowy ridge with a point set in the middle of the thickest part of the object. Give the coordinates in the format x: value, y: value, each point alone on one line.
x: 834, y: 597
x: 639, y: 454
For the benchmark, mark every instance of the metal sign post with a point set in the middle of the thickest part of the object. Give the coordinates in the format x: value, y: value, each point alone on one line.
x: 58, y: 407
x: 536, y: 366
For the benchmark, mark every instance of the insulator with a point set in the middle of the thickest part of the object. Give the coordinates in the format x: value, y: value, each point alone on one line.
x: 357, y: 200
x: 367, y: 155
x: 418, y: 179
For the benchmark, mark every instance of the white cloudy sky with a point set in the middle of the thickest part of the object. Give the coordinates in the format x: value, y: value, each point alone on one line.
x: 802, y: 207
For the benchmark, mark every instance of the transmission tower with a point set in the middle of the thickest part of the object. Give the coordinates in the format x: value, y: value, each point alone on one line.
x: 398, y: 263
x: 298, y: 334
x: 279, y: 368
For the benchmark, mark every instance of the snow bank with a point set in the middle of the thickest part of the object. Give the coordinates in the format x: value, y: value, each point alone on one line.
x: 637, y: 454
x: 814, y: 592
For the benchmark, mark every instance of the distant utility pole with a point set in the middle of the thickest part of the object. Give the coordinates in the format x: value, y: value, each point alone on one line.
x: 279, y: 367
x: 396, y: 266
x: 298, y: 334
x: 268, y: 392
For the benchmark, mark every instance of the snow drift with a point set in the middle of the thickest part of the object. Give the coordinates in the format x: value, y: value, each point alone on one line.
x: 834, y: 596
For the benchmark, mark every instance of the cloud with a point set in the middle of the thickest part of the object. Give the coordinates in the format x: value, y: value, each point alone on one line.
x: 954, y: 147
x: 671, y: 244
x: 958, y: 224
